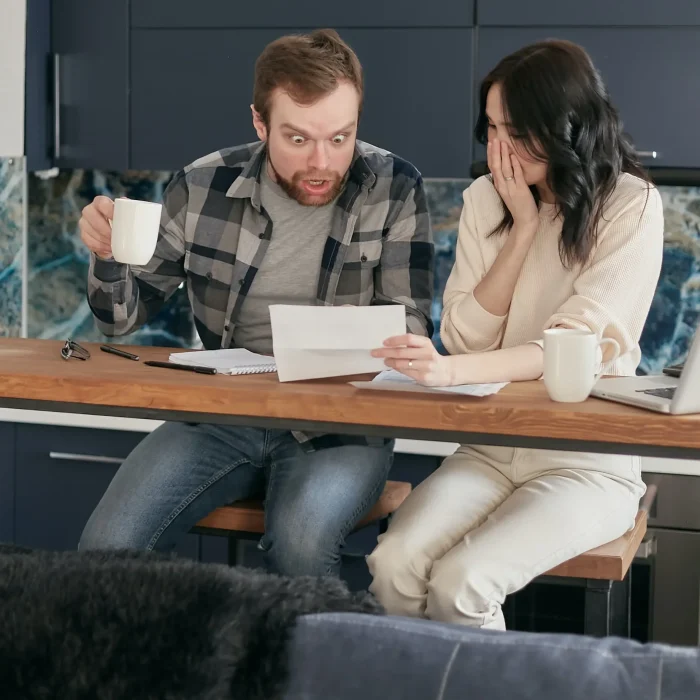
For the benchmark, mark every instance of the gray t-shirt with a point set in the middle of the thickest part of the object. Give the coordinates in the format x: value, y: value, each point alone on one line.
x: 291, y: 265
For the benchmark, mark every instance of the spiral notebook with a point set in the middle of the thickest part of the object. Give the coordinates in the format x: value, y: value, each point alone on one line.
x: 229, y: 361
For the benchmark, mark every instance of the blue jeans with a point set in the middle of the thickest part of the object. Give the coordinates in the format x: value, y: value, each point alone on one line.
x: 181, y: 472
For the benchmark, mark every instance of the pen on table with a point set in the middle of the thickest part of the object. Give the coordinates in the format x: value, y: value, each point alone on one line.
x: 189, y: 368
x: 116, y: 351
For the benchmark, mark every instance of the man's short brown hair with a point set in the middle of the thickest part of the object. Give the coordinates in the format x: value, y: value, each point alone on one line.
x: 307, y: 66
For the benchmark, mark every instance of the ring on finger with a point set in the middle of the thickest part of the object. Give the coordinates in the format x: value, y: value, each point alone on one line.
x: 507, y: 179
x: 410, y: 364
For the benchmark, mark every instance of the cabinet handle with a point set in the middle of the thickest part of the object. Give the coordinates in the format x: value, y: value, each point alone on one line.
x: 649, y: 154
x: 56, y: 106
x: 647, y: 549
x: 73, y: 457
x: 648, y: 502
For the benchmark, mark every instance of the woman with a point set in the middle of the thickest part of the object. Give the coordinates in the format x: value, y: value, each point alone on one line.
x: 566, y: 231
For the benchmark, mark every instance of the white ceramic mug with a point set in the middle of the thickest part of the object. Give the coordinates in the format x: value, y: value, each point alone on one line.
x: 570, y: 361
x: 135, y: 227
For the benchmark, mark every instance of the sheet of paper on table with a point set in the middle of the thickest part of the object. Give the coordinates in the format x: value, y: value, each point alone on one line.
x: 392, y: 380
x: 310, y: 342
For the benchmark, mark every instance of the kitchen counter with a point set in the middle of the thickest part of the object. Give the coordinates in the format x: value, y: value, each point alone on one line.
x: 420, y: 447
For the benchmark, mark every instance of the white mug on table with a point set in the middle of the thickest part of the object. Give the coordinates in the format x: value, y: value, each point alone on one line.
x: 135, y: 225
x: 570, y: 362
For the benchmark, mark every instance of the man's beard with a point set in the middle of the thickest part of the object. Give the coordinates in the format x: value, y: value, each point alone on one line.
x: 294, y: 188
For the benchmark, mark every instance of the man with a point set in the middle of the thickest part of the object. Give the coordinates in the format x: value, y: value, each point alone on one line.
x: 308, y: 215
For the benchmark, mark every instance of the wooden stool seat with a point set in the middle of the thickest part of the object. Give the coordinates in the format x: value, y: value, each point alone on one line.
x: 249, y: 516
x: 605, y: 574
x: 609, y: 562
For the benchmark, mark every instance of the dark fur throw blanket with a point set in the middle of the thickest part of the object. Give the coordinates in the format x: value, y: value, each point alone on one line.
x: 131, y: 626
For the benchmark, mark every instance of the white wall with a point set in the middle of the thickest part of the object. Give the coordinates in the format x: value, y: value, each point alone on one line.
x: 13, y: 16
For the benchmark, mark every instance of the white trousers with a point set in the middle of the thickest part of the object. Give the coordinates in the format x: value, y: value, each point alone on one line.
x: 490, y: 520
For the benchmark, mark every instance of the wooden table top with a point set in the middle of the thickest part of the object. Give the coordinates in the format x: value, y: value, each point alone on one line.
x: 33, y: 375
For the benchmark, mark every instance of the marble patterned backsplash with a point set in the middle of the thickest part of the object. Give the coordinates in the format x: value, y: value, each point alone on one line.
x: 58, y: 262
x: 12, y: 189
x: 675, y: 311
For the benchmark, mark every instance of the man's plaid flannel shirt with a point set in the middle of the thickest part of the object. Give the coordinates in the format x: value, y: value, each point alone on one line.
x: 214, y: 234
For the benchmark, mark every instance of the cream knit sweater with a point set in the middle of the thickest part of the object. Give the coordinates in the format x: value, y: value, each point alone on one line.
x: 610, y: 295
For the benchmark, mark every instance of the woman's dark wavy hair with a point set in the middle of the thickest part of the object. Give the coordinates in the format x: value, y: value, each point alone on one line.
x: 558, y: 108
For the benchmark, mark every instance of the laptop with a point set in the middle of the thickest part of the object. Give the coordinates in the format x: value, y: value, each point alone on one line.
x: 664, y: 393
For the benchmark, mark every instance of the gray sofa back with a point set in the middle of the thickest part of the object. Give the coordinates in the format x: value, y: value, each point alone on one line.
x: 347, y: 656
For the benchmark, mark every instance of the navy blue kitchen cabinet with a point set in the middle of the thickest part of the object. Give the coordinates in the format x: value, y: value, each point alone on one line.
x: 192, y: 92
x: 90, y: 83
x: 76, y: 104
x: 60, y: 475
x: 154, y: 85
x: 648, y: 72
x: 219, y: 14
x: 418, y: 95
x: 7, y: 483
x: 603, y: 13
x: 126, y: 84
x: 38, y: 114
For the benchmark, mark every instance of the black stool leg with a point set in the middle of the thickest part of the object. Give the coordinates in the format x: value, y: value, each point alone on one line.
x: 622, y: 606
x: 597, y: 608
x: 232, y: 551
x: 628, y: 604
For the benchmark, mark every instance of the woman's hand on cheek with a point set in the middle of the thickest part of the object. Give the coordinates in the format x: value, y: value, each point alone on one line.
x: 509, y: 181
x: 416, y: 357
